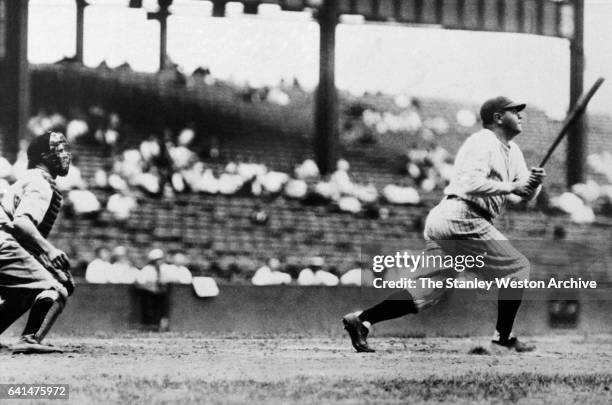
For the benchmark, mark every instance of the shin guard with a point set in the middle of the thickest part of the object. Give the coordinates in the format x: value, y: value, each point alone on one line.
x: 47, y: 307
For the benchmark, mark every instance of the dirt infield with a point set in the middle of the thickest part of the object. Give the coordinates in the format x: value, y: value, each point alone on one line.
x: 154, y: 368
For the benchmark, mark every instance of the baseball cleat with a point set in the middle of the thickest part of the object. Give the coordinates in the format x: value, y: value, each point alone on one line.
x: 28, y: 345
x: 358, y: 333
x: 512, y: 344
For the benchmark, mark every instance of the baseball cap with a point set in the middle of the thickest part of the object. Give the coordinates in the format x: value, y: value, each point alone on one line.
x: 497, y: 104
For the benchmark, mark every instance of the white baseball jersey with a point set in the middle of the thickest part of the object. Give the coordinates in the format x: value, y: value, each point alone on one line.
x: 485, y: 169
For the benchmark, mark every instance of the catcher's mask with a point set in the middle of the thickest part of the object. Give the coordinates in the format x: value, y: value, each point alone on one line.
x: 51, y: 149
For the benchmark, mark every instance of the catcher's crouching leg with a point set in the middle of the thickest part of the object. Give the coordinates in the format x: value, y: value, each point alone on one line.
x: 43, y: 314
x: 12, y: 306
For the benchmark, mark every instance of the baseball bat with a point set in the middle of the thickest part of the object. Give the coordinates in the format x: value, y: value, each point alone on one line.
x: 572, y: 117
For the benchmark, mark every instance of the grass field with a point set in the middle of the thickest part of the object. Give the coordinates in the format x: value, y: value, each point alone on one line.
x: 165, y: 368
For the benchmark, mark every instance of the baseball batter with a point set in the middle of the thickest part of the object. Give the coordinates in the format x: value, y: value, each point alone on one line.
x: 489, y: 170
x: 34, y: 273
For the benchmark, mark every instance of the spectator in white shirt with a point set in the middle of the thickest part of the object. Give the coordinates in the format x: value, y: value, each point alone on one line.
x: 269, y: 274
x: 122, y: 270
x: 84, y: 203
x: 158, y: 273
x: 307, y: 170
x: 99, y: 270
x: 315, y: 275
x: 76, y: 129
x: 178, y: 271
x: 121, y: 205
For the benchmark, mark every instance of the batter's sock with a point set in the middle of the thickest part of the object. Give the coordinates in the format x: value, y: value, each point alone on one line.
x: 508, y: 303
x: 398, y: 304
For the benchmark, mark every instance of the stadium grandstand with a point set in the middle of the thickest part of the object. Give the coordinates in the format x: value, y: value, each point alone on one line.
x: 395, y: 150
x: 214, y: 226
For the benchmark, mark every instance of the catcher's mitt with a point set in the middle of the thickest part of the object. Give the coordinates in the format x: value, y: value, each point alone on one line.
x: 64, y: 277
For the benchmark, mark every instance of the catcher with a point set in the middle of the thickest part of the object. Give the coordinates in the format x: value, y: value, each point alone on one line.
x: 33, y: 273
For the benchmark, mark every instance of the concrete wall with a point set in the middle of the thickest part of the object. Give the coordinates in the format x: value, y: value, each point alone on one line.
x: 312, y: 311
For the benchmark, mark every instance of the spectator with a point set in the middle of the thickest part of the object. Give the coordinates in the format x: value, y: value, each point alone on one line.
x: 110, y: 140
x: 99, y: 270
x: 307, y: 170
x: 83, y: 203
x: 349, y: 204
x: 122, y: 270
x: 161, y: 271
x: 306, y: 277
x: 340, y: 179
x: 179, y: 273
x: 155, y: 288
x: 186, y: 136
x: 201, y: 179
x: 117, y: 183
x: 177, y: 183
x: 270, y: 183
x: 200, y: 77
x: 213, y: 148
x: 321, y: 194
x: 182, y: 157
x: 164, y: 162
x: 114, y: 122
x: 401, y: 195
x: 101, y: 180
x: 77, y: 129
x: 149, y: 149
x: 574, y: 206
x: 149, y: 182
x: 351, y: 277
x: 315, y: 275
x: 277, y: 96
x: 589, y: 191
x: 250, y: 171
x: 259, y: 216
x: 230, y: 182
x: 270, y: 275
x: 366, y: 193
x: 601, y: 163
x: 322, y: 276
x: 96, y: 122
x: 121, y: 204
x: 296, y: 189
x: 39, y: 124
x: 129, y: 165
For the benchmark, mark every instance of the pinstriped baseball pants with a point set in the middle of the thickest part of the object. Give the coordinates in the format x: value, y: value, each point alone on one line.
x: 453, y: 228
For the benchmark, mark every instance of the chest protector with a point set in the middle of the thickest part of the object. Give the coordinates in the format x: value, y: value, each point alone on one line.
x: 48, y: 220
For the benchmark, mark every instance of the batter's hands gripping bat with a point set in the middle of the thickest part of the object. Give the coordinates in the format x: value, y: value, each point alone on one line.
x: 572, y: 117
